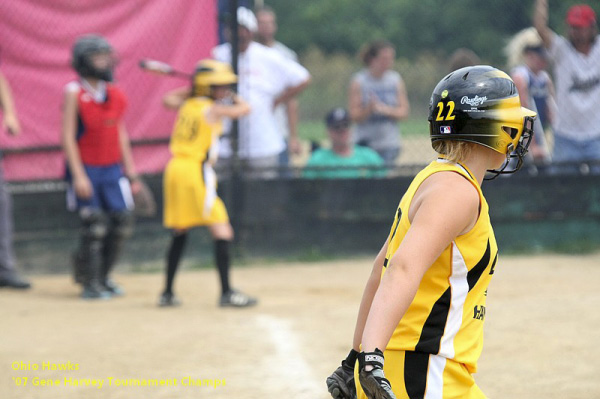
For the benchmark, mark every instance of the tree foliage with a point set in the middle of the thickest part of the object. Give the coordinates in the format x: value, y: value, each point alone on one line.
x: 432, y: 26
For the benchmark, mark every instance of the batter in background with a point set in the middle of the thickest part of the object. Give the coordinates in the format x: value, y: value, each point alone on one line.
x: 190, y: 184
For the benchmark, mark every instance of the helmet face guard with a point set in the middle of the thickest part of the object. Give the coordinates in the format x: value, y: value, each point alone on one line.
x: 481, y: 105
x: 84, y: 50
x: 517, y: 152
x: 105, y: 73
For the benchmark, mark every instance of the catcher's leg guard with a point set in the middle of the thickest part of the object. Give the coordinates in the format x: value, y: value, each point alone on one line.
x: 79, y: 265
x: 88, y: 257
x: 120, y: 228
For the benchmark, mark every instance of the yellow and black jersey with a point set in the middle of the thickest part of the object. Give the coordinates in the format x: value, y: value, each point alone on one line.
x: 193, y: 136
x: 446, y: 316
x: 189, y: 182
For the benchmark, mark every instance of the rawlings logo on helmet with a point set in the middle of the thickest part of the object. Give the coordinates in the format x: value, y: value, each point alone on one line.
x: 473, y: 102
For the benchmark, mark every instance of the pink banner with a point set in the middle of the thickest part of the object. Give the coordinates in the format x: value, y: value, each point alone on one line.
x: 35, y: 48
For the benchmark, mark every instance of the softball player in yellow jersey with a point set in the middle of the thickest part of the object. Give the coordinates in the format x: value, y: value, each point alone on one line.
x: 190, y: 196
x: 424, y: 302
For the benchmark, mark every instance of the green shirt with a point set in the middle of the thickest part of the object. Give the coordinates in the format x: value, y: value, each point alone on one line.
x: 363, y: 163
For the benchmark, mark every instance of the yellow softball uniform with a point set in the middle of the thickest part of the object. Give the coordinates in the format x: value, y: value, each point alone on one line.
x: 435, y: 347
x: 189, y: 182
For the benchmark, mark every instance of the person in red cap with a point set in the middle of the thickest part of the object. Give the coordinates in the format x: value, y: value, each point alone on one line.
x: 576, y: 60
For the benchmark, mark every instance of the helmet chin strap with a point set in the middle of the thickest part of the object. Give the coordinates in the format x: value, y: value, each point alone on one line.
x: 493, y: 173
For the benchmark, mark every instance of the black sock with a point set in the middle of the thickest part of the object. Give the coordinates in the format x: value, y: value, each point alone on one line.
x: 222, y: 259
x: 173, y: 258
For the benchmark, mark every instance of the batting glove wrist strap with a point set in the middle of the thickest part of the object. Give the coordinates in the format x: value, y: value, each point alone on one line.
x: 374, y: 359
x: 373, y: 382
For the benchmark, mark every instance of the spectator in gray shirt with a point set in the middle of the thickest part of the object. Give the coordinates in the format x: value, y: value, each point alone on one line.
x: 378, y: 101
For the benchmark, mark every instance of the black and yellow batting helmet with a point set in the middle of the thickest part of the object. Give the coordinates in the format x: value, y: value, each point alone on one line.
x: 480, y: 104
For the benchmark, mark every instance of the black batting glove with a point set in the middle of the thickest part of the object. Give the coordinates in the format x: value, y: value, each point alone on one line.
x: 340, y: 384
x: 373, y: 382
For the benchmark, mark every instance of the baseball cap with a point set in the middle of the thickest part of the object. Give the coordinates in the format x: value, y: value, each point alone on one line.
x: 247, y: 19
x: 581, y: 16
x: 337, y: 117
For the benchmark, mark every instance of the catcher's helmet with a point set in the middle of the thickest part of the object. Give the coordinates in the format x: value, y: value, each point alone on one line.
x: 211, y: 73
x: 83, y: 50
x: 480, y: 104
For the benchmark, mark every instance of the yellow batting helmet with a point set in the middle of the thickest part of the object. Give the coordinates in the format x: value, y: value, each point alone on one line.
x: 211, y: 73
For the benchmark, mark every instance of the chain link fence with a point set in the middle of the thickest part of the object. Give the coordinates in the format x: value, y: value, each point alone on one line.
x: 37, y: 37
x: 36, y: 41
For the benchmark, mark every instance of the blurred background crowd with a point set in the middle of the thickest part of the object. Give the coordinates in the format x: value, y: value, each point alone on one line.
x: 339, y: 43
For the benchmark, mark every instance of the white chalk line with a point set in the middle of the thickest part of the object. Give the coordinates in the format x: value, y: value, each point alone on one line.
x: 286, y: 361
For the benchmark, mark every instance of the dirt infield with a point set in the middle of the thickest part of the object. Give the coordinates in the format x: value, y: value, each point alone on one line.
x: 541, y: 334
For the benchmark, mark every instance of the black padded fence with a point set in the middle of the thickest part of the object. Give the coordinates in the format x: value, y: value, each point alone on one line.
x: 301, y: 219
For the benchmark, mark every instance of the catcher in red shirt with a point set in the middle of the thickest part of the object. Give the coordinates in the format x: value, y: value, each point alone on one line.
x: 100, y: 167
